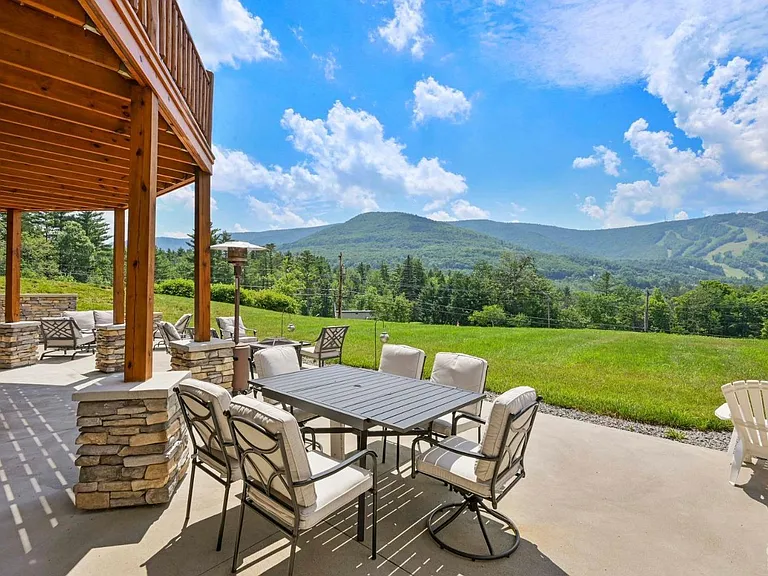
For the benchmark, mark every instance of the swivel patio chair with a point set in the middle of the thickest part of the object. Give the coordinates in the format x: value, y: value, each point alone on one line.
x: 481, y: 472
x: 405, y: 361
x: 226, y: 326
x: 203, y: 405
x: 64, y: 334
x: 327, y: 346
x: 460, y: 371
x: 291, y: 488
x: 748, y: 404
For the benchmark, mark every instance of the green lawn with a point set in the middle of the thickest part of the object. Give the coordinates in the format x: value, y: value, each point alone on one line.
x: 657, y: 378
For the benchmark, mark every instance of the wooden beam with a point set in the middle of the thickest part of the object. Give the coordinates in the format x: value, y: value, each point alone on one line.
x: 118, y: 268
x: 13, y: 266
x: 62, y: 140
x: 64, y: 172
x: 170, y: 188
x: 16, y: 195
x: 86, y: 190
x: 141, y: 235
x: 202, y: 256
x: 68, y: 10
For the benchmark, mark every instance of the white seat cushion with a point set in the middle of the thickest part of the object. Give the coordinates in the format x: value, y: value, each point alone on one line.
x: 443, y: 425
x: 103, y: 317
x: 275, y: 361
x: 402, y: 360
x: 310, y: 352
x: 333, y: 493
x: 84, y: 320
x: 461, y: 371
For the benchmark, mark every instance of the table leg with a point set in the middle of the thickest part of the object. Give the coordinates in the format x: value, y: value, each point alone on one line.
x: 337, y: 442
x: 362, y: 444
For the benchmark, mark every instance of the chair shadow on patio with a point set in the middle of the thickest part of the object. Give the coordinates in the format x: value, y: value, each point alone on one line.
x: 757, y: 485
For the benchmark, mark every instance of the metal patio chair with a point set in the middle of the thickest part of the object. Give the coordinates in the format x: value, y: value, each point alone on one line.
x: 328, y: 345
x: 481, y: 472
x: 748, y: 405
x: 64, y: 334
x: 203, y: 405
x: 290, y: 487
x: 226, y: 326
x: 460, y: 371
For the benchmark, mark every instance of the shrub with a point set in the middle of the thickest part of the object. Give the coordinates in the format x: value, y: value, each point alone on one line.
x: 489, y: 316
x: 266, y: 299
x: 273, y: 300
x: 176, y: 287
x: 520, y: 320
x: 226, y: 293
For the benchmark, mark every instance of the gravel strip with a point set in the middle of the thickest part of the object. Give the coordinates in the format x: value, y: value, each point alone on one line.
x: 715, y: 440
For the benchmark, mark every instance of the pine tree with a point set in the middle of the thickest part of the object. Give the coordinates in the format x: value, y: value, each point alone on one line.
x: 95, y: 227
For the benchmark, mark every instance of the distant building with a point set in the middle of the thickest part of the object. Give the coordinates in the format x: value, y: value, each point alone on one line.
x: 358, y: 314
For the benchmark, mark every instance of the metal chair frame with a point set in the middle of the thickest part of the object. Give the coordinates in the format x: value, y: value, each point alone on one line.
x: 282, y: 476
x: 330, y: 338
x: 214, y: 436
x: 473, y: 501
x: 65, y: 330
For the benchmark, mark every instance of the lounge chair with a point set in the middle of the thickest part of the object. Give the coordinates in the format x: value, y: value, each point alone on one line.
x: 181, y: 326
x: 292, y: 488
x: 64, y: 334
x: 226, y: 326
x: 273, y: 362
x: 327, y: 346
x: 168, y: 333
x: 481, y: 471
x: 748, y: 405
x: 203, y: 405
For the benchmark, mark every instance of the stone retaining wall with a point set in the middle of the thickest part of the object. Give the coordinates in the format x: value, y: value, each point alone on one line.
x: 211, y: 361
x: 110, y: 348
x: 132, y: 452
x: 18, y: 344
x: 37, y: 306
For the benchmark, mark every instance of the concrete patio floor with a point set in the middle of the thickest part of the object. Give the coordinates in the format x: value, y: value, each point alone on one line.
x: 595, y: 500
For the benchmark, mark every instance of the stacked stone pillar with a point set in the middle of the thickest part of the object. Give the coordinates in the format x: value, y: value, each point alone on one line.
x: 18, y: 344
x: 132, y: 443
x: 110, y: 348
x: 211, y: 361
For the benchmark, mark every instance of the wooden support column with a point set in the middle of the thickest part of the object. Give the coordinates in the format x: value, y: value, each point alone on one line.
x: 13, y: 266
x: 142, y: 184
x: 202, y: 256
x: 118, y: 268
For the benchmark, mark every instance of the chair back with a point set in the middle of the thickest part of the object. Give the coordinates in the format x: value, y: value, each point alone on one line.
x: 331, y: 340
x: 58, y: 329
x: 103, y: 317
x: 168, y: 333
x: 507, y: 432
x: 226, y: 326
x: 748, y: 403
x: 272, y: 457
x: 461, y: 371
x: 274, y: 361
x: 203, y: 406
x: 402, y: 360
x: 85, y: 320
x: 182, y: 323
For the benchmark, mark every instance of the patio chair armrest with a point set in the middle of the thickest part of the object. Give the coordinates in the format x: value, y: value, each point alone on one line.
x: 341, y: 465
x: 459, y: 415
x: 441, y: 444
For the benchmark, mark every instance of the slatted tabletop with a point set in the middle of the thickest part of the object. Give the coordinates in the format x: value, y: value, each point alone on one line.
x: 363, y: 398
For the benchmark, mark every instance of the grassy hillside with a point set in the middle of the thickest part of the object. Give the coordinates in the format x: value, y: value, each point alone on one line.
x: 658, y: 378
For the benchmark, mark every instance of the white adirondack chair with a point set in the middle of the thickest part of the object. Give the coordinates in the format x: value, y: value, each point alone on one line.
x: 748, y: 405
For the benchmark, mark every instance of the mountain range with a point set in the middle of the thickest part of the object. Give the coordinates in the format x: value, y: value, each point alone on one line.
x: 725, y: 246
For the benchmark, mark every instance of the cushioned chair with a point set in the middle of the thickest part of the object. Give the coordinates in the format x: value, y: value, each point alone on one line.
x: 203, y: 405
x: 226, y: 326
x: 291, y: 488
x: 86, y: 321
x: 275, y: 361
x: 328, y: 345
x: 103, y: 317
x: 168, y: 333
x: 64, y: 334
x: 480, y: 472
x: 748, y: 405
x: 400, y: 360
x: 460, y: 371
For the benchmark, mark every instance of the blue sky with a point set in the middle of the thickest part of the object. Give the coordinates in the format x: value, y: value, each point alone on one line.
x: 583, y: 114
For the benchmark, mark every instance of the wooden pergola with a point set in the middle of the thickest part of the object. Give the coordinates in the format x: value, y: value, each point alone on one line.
x: 105, y: 105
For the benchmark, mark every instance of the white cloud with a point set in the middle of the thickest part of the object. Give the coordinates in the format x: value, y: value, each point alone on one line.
x: 225, y: 32
x: 348, y: 163
x: 328, y: 64
x: 280, y: 216
x: 183, y: 198
x: 517, y: 208
x: 176, y: 234
x: 682, y: 215
x: 433, y: 100
x: 466, y: 211
x: 238, y: 228
x: 406, y: 29
x: 602, y: 155
x: 441, y: 216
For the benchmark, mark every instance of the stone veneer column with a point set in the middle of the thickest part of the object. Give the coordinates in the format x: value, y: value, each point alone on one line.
x: 18, y: 343
x: 133, y: 442
x: 211, y: 361
x: 110, y: 348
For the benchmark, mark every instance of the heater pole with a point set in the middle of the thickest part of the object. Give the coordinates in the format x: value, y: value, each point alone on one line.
x: 341, y: 284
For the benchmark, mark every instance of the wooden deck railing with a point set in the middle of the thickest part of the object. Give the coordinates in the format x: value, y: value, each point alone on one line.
x: 168, y: 32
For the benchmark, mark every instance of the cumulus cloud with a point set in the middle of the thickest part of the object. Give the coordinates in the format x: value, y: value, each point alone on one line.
x: 441, y: 216
x: 433, y: 100
x: 602, y: 155
x: 279, y: 216
x: 183, y: 198
x: 682, y: 215
x: 405, y: 31
x: 328, y: 64
x: 462, y: 210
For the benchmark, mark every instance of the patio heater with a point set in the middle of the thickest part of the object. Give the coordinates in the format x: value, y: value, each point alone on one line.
x: 383, y: 337
x: 237, y: 255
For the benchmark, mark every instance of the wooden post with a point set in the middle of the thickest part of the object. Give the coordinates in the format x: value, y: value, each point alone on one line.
x: 142, y: 189
x: 13, y: 266
x: 118, y: 268
x: 202, y: 256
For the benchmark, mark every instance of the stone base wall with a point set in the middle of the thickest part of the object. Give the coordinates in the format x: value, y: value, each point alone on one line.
x: 110, y: 348
x: 132, y: 452
x: 37, y: 306
x: 209, y: 361
x: 18, y: 344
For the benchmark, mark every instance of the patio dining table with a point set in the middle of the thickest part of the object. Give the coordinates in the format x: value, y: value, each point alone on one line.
x: 362, y: 399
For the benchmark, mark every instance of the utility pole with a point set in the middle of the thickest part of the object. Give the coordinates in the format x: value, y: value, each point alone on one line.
x: 341, y: 284
x: 645, y: 318
x: 549, y: 306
